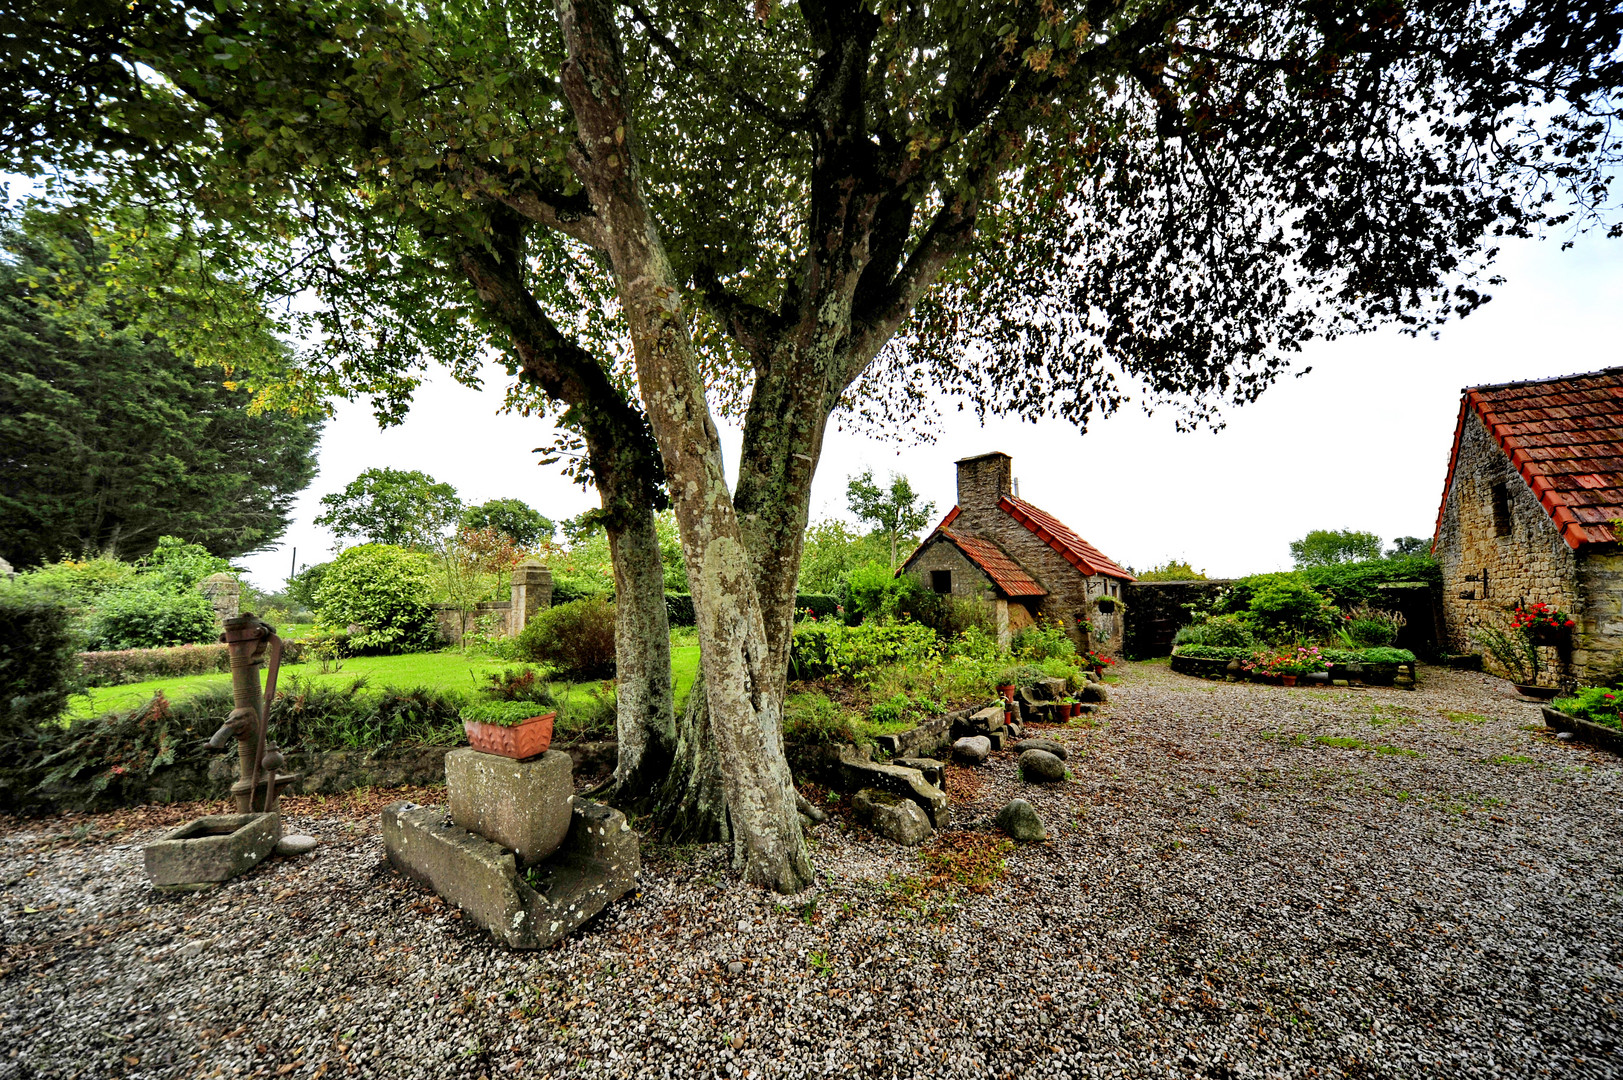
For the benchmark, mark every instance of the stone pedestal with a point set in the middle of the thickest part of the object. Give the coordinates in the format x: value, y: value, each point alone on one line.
x: 525, y: 910
x: 522, y: 805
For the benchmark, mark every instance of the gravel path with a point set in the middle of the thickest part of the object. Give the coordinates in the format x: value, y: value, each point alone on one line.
x: 1434, y: 892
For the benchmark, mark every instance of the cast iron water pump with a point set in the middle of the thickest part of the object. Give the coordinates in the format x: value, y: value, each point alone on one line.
x: 259, y: 786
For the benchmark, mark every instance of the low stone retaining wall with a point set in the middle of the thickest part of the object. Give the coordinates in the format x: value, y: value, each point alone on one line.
x: 330, y: 772
x: 1400, y: 675
x: 1584, y: 730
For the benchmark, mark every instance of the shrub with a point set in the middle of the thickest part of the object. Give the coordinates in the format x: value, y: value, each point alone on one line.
x: 814, y: 719
x: 384, y: 592
x: 577, y: 638
x: 1226, y: 631
x: 873, y: 591
x: 38, y: 661
x: 501, y: 713
x: 818, y: 605
x: 1213, y: 652
x: 520, y: 684
x: 1287, y: 609
x: 137, y: 665
x: 1385, y: 656
x: 1046, y: 640
x: 303, y: 586
x: 151, y: 618
x: 833, y: 649
x: 679, y: 609
x: 79, y: 580
x: 107, y: 760
x: 1597, y: 704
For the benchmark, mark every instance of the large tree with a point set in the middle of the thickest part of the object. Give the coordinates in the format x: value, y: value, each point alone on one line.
x: 1037, y: 209
x: 108, y: 438
x: 407, y: 508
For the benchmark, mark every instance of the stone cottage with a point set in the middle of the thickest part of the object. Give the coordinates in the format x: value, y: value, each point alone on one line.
x: 1531, y: 511
x: 997, y: 549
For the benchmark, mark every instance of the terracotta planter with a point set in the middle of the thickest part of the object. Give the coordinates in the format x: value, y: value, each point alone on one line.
x: 519, y: 741
x: 1099, y: 670
x: 1288, y: 680
x: 1539, y: 693
x: 1007, y: 690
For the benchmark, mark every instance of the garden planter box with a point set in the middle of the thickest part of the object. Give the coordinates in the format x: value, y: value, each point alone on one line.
x: 518, y: 741
x: 1585, y: 730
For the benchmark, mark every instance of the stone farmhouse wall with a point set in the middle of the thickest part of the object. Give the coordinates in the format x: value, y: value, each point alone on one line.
x: 1507, y: 535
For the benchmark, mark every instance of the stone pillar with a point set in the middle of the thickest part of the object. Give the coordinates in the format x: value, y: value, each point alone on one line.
x: 532, y: 591
x: 225, y: 593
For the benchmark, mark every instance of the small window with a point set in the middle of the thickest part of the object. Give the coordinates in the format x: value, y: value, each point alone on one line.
x: 941, y: 581
x: 1501, y: 510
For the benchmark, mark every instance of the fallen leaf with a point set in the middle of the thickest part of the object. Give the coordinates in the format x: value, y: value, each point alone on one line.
x: 30, y: 911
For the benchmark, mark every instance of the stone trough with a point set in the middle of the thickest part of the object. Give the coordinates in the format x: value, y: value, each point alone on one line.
x: 211, y: 849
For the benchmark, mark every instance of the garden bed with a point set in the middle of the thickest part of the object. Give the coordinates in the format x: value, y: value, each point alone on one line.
x: 1362, y: 667
x: 1584, y: 730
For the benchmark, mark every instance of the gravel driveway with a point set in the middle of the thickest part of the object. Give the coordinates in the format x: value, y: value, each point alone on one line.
x: 1241, y: 881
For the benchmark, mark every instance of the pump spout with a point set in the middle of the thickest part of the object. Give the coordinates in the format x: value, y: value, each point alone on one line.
x: 238, y: 724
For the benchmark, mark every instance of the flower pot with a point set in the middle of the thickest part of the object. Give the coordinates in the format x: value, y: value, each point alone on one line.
x: 519, y: 741
x: 1007, y: 690
x: 1288, y: 680
x: 1099, y: 670
x: 1539, y: 693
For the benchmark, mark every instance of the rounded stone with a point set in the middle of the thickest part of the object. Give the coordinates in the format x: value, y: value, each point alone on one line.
x: 1047, y: 745
x: 1021, y: 822
x: 1041, y: 767
x: 297, y: 844
x: 972, y: 749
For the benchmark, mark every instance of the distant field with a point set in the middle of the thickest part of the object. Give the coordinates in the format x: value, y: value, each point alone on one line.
x: 447, y: 670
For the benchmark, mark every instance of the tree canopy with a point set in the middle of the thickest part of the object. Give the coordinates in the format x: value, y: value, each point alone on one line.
x: 392, y: 506
x: 108, y: 438
x: 1325, y: 547
x: 510, y: 517
x: 895, y: 510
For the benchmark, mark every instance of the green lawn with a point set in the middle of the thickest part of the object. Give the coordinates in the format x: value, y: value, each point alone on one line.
x: 447, y: 670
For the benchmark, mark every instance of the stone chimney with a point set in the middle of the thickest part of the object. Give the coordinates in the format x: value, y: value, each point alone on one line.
x: 982, y: 481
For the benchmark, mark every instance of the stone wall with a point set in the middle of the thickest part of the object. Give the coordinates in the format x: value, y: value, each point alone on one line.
x: 1155, y: 612
x: 496, y: 614
x: 1597, y: 655
x: 969, y: 582
x: 1513, y: 543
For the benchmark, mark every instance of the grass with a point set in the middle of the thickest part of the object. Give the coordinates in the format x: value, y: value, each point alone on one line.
x: 450, y: 671
x: 1466, y: 718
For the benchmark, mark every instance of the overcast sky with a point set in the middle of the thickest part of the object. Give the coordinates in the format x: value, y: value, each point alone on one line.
x: 1360, y: 442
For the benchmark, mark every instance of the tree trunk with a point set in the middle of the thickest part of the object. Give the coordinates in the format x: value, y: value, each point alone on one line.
x: 645, y: 719
x: 691, y: 804
x: 744, y: 693
x: 624, y: 464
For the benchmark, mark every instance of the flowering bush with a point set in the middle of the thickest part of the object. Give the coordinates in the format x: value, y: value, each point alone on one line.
x: 1297, y: 661
x: 1094, y: 660
x: 1531, y: 617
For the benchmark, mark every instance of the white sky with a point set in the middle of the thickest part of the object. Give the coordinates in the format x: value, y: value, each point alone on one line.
x: 1360, y: 442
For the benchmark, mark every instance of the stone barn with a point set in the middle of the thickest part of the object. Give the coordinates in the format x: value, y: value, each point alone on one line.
x: 997, y: 549
x: 1530, y: 513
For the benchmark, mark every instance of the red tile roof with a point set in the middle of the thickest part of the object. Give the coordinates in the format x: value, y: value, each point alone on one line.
x: 1565, y: 437
x: 1057, y: 535
x: 1005, y: 573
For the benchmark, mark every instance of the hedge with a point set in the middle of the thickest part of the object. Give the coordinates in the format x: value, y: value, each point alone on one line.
x: 115, y: 668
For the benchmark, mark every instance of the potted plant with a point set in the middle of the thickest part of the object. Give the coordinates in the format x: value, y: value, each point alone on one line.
x: 1303, y: 659
x: 1097, y: 662
x: 515, y: 729
x: 1006, y: 691
x: 1518, y: 656
x: 1542, y: 624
